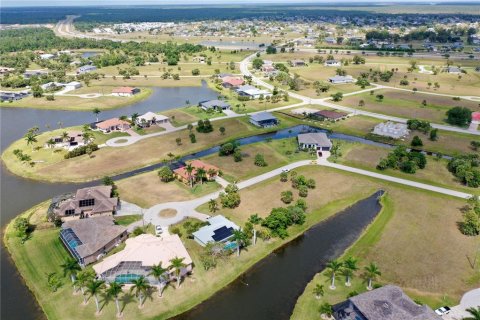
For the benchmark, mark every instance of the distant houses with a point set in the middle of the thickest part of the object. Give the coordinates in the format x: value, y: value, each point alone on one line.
x: 341, y: 79
x: 34, y: 73
x: 387, y: 302
x: 86, y: 69
x: 297, y: 63
x: 315, y: 140
x: 391, y: 129
x: 88, y: 240
x: 263, y: 120
x: 111, y: 125
x: 332, y: 63
x: 219, y: 229
x: 13, y: 95
x: 217, y: 105
x: 47, y: 56
x: 141, y: 253
x: 125, y: 91
x: 87, y: 202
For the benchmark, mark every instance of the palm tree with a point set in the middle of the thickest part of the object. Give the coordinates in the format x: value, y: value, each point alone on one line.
x: 140, y: 286
x: 201, y: 174
x: 255, y: 220
x: 71, y: 267
x: 31, y: 139
x: 65, y: 136
x: 475, y: 312
x: 371, y: 272
x: 318, y: 291
x: 189, y: 168
x: 212, y: 205
x: 334, y: 266
x: 158, y: 272
x: 240, y: 238
x: 51, y: 143
x: 86, y: 137
x: 94, y: 288
x: 177, y: 264
x: 349, y: 267
x: 326, y: 310
x: 96, y: 112
x: 113, y: 291
x: 83, y: 278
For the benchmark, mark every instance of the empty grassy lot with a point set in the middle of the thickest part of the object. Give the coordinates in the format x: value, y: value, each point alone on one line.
x: 111, y: 161
x: 78, y: 103
x: 408, y: 104
x: 183, y: 69
x: 141, y: 81
x: 147, y: 189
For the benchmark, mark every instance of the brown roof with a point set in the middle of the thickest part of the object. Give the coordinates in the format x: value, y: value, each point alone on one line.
x: 182, y: 172
x: 103, y: 202
x: 329, y: 114
x: 124, y: 90
x: 111, y: 123
x: 94, y: 233
x: 234, y: 81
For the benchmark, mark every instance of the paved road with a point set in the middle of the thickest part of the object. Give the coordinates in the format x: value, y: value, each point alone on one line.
x: 470, y: 299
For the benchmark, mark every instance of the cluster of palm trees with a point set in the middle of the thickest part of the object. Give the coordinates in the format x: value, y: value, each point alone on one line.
x: 86, y: 281
x: 347, y: 268
x: 200, y: 174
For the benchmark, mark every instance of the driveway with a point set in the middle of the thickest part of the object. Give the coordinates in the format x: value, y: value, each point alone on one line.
x: 470, y: 299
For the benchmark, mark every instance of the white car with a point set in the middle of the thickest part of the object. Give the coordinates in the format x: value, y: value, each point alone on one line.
x: 286, y: 170
x: 158, y: 230
x: 442, y: 310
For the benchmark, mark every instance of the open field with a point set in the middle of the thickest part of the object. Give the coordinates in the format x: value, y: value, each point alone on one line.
x: 78, y: 103
x: 141, y: 81
x: 408, y: 104
x: 277, y: 153
x: 146, y: 190
x: 183, y: 69
x: 111, y: 161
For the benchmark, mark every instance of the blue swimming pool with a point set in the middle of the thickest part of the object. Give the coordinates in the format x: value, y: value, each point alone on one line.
x: 126, y: 278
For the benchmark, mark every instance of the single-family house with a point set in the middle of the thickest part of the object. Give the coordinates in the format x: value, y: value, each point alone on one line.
x: 73, y: 85
x: 232, y: 82
x: 215, y: 104
x: 453, y: 69
x: 150, y: 118
x: 268, y: 68
x: 199, y: 59
x: 297, y: 63
x: 341, y: 79
x: 386, y: 303
x: 263, y: 120
x: 13, y: 95
x: 252, y: 92
x: 125, y: 91
x: 330, y: 115
x: 391, y: 129
x: 314, y: 140
x: 47, y: 56
x: 330, y: 40
x: 332, y: 63
x: 183, y: 175
x: 34, y: 73
x: 87, y: 202
x: 85, y: 69
x: 88, y: 240
x: 219, y: 229
x: 6, y: 70
x: 141, y: 253
x: 73, y: 140
x: 114, y: 124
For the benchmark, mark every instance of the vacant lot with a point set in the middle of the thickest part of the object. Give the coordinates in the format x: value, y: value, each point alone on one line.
x: 142, y: 81
x: 408, y: 105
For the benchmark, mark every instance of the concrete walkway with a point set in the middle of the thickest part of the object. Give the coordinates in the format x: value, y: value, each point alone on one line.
x: 470, y: 299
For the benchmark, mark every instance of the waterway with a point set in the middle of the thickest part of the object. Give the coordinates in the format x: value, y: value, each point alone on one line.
x: 270, y: 289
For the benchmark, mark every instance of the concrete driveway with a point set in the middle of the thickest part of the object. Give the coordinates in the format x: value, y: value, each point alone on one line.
x: 470, y: 299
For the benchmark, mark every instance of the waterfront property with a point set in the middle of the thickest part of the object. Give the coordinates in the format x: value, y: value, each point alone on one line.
x: 252, y: 92
x: 210, y: 172
x: 386, y: 303
x: 71, y: 140
x: 125, y: 91
x: 217, y: 105
x: 13, y: 95
x: 219, y: 229
x: 87, y: 202
x: 141, y: 253
x: 332, y: 63
x: 114, y: 124
x: 341, y: 79
x: 391, y: 129
x: 88, y: 240
x: 150, y: 118
x: 330, y: 115
x: 232, y: 82
x: 315, y: 140
x: 264, y: 120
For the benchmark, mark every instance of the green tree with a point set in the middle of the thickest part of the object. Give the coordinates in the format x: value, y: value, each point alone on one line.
x: 333, y: 267
x: 459, y: 116
x: 189, y: 168
x: 255, y: 220
x: 141, y: 287
x: 349, y: 267
x: 94, y: 288
x: 222, y: 130
x: 165, y: 174
x: 201, y: 174
x: 212, y: 205
x: 286, y: 196
x: 337, y: 96
x: 161, y: 274
x: 474, y: 312
x: 260, y: 160
x: 434, y: 134
x: 371, y: 273
x: 416, y: 142
x: 257, y: 63
x: 326, y: 310
x: 83, y: 278
x: 177, y: 265
x: 284, y: 176
x: 240, y: 238
x: 318, y: 291
x: 96, y: 112
x: 113, y: 291
x: 70, y: 267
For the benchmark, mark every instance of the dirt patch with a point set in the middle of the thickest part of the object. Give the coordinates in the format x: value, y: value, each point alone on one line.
x: 167, y: 213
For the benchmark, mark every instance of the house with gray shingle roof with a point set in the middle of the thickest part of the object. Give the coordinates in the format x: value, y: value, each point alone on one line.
x: 215, y: 104
x: 386, y: 303
x: 314, y: 140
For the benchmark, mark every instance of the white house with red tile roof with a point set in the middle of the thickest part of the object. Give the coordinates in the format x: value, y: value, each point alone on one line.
x: 125, y: 91
x: 114, y: 124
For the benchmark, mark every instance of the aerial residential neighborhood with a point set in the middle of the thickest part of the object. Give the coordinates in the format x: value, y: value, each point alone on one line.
x: 240, y: 160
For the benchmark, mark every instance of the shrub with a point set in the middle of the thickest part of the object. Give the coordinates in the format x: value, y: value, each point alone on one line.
x: 401, y: 159
x: 165, y: 174
x: 260, y: 160
x: 204, y: 126
x: 459, y: 116
x: 466, y: 169
x: 237, y: 155
x: 192, y: 137
x: 417, y: 142
x: 420, y: 125
x: 81, y: 150
x: 303, y: 191
x: 286, y: 196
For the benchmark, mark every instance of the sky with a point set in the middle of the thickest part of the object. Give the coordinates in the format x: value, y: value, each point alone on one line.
x: 17, y: 3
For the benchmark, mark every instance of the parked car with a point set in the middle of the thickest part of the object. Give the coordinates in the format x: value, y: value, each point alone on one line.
x: 442, y: 310
x: 158, y: 230
x: 286, y: 170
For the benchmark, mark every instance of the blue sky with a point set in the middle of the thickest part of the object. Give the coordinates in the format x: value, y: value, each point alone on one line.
x: 177, y: 2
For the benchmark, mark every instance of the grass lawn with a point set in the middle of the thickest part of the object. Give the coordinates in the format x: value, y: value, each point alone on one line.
x: 111, y: 161
x: 78, y: 103
x: 147, y: 190
x: 126, y: 220
x: 277, y: 153
x: 408, y: 105
x: 367, y: 157
x: 141, y: 81
x: 183, y: 69
x: 148, y: 130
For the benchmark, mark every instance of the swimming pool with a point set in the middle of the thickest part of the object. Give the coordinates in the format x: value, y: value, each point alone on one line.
x: 126, y: 278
